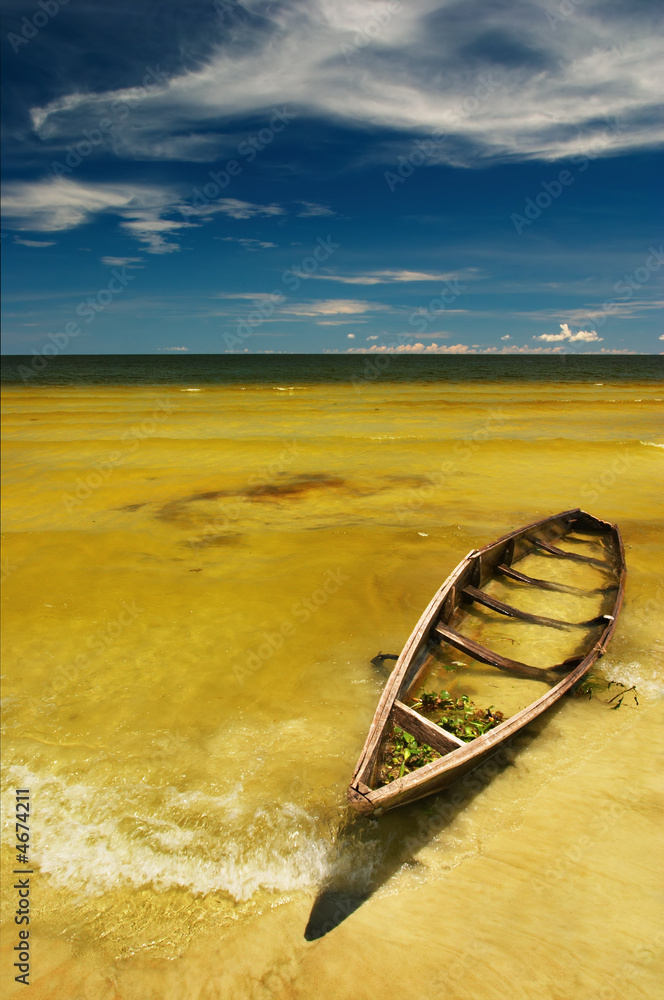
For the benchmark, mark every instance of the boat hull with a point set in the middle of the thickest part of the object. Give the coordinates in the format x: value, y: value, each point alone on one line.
x: 464, y: 583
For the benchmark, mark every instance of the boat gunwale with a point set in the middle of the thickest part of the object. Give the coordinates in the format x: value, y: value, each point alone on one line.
x: 370, y: 800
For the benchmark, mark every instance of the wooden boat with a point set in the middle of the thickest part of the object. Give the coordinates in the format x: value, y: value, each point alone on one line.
x: 441, y: 627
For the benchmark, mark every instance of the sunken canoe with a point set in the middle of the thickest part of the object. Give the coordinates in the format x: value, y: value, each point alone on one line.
x: 465, y: 586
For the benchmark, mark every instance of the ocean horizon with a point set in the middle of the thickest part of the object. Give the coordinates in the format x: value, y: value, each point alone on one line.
x: 219, y: 369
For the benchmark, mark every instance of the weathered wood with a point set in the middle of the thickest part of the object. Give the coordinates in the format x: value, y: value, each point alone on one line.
x: 433, y: 625
x: 484, y: 655
x: 561, y: 588
x: 561, y: 554
x: 506, y: 609
x: 424, y: 730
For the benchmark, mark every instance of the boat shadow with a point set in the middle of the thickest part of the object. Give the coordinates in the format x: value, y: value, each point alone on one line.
x: 369, y: 851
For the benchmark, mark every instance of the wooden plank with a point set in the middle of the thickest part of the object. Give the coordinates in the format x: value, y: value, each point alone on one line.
x: 562, y: 588
x: 367, y: 762
x: 506, y: 609
x: 485, y: 655
x: 555, y: 551
x: 424, y: 730
x: 446, y: 769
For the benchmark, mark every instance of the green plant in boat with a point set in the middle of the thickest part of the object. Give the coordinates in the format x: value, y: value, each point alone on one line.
x: 457, y: 715
x: 403, y: 754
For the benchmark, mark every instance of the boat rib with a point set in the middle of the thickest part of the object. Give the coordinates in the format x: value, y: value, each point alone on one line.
x: 553, y: 550
x: 480, y: 597
x: 561, y: 588
x: 484, y: 655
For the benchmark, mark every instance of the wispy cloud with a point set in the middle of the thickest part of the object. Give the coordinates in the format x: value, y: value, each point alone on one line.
x: 172, y: 348
x: 389, y: 277
x: 311, y: 209
x: 34, y: 243
x: 60, y: 203
x: 129, y: 262
x: 549, y: 93
x: 335, y: 307
x: 247, y: 243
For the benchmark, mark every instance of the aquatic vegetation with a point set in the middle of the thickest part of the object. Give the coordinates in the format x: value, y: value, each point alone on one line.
x: 459, y: 715
x: 596, y: 686
x: 403, y: 754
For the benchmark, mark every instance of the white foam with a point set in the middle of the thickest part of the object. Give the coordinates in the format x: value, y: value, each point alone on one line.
x: 633, y: 675
x: 652, y: 444
x: 101, y: 838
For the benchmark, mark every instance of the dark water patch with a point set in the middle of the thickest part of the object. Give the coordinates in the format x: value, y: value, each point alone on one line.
x: 210, y: 495
x: 132, y: 506
x: 175, y: 511
x: 295, y: 486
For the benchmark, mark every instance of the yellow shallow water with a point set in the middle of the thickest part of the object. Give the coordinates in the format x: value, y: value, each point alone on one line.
x: 194, y: 585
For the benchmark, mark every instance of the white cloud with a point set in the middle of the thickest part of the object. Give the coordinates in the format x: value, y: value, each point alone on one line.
x: 351, y: 336
x: 172, y: 348
x: 153, y: 231
x: 334, y: 307
x: 340, y: 322
x: 374, y: 336
x: 251, y: 296
x: 662, y: 337
x: 310, y: 209
x: 130, y: 262
x: 248, y: 244
x: 34, y: 243
x: 413, y: 349
x: 587, y: 336
x: 233, y: 207
x: 420, y: 348
x: 506, y: 337
x: 60, y: 203
x: 56, y: 204
x: 420, y: 71
x: 388, y: 277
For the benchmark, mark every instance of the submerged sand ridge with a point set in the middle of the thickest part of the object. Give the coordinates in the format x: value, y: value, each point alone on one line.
x: 187, y: 698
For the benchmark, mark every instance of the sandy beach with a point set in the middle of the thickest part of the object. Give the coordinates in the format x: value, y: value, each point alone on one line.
x: 196, y: 577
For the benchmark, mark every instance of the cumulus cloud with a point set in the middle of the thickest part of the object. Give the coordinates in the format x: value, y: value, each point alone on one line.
x: 588, y: 336
x: 506, y: 337
x: 413, y: 349
x: 495, y: 76
x: 351, y: 336
x: 420, y: 348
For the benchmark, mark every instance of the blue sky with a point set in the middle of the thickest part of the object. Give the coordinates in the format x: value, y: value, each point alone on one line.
x: 332, y: 175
